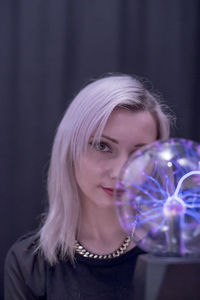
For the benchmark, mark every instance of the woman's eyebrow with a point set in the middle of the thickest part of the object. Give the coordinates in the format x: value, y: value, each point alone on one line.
x: 111, y: 139
x: 140, y: 145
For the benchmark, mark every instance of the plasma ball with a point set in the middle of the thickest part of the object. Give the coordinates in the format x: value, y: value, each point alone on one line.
x: 160, y: 204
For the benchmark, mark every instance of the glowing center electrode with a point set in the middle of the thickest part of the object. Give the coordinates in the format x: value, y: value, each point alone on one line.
x: 174, y: 206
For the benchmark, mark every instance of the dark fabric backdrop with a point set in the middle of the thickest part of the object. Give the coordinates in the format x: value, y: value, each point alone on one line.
x: 49, y: 49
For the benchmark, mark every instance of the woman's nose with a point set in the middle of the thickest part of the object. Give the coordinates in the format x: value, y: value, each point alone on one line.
x: 117, y: 166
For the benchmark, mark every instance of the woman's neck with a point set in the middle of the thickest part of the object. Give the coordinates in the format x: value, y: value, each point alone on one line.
x: 99, y: 229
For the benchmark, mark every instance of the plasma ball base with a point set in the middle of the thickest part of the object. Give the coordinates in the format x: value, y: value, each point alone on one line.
x: 166, y: 278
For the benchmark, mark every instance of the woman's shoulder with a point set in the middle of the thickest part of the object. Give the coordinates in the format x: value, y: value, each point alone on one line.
x: 25, y: 247
x: 25, y: 251
x: 26, y: 241
x: 25, y: 265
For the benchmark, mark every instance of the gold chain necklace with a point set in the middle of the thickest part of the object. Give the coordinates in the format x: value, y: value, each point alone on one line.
x: 84, y: 252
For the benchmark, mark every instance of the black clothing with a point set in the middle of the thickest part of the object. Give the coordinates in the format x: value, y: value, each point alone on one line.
x: 28, y: 276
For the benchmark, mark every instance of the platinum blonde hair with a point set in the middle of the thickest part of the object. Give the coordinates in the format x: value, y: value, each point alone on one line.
x: 86, y: 115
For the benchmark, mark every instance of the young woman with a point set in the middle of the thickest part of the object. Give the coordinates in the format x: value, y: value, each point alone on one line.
x: 81, y: 251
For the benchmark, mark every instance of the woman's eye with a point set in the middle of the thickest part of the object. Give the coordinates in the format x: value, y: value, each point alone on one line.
x: 101, y: 146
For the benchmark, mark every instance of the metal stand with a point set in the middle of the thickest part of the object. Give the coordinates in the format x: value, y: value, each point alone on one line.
x: 167, y: 278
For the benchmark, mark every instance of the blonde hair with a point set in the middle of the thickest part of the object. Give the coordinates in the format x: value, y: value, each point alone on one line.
x: 87, y: 114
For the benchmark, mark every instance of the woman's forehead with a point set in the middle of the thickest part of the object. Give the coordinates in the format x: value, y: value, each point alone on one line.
x: 123, y: 125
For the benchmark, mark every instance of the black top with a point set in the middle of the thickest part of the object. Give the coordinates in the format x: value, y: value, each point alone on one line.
x: 29, y: 276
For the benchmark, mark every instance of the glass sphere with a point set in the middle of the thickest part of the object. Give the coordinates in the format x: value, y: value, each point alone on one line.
x: 158, y: 197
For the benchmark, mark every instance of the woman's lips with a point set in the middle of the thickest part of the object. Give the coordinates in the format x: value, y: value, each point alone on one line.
x: 108, y: 191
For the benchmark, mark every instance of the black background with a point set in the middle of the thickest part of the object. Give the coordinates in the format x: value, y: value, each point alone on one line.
x: 49, y: 49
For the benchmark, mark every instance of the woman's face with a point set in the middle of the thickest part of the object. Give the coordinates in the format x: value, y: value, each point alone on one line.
x: 97, y: 171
